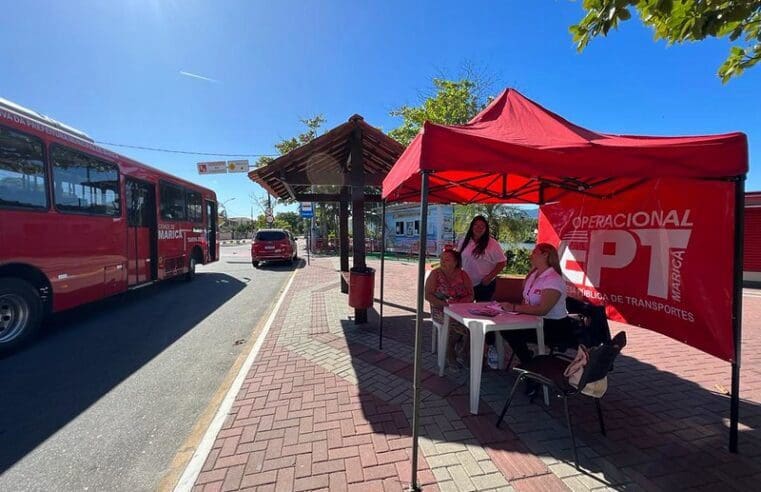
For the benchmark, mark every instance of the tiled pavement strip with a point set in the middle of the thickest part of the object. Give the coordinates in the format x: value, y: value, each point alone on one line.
x: 323, y: 408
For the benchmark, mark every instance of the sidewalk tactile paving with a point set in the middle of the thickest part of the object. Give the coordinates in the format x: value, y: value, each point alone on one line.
x: 323, y: 408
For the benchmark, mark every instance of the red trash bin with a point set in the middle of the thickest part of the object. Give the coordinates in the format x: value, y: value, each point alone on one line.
x: 361, y: 287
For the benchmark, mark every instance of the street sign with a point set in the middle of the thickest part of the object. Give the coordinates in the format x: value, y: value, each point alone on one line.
x: 237, y: 166
x: 218, y: 167
x: 269, y: 218
x: 305, y: 210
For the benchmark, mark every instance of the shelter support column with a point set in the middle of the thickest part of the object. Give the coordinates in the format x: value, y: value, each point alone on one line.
x: 358, y: 209
x: 343, y: 237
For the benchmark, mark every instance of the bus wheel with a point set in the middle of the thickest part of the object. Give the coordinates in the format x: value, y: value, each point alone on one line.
x: 191, y: 269
x: 255, y: 263
x: 20, y: 312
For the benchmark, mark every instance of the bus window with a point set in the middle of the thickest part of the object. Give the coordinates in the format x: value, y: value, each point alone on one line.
x: 172, y: 202
x: 140, y: 208
x: 84, y: 184
x: 195, y: 207
x: 23, y: 179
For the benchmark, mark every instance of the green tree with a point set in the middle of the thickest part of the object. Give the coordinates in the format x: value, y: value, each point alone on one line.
x: 507, y: 224
x: 313, y: 125
x: 679, y: 21
x: 454, y: 102
x: 518, y: 261
x: 293, y: 221
x: 244, y: 229
x: 286, y: 145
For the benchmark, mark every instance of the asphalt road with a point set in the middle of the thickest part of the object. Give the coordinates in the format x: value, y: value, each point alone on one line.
x: 108, y: 395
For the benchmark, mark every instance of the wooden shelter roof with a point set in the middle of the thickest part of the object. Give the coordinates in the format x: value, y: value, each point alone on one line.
x: 325, y: 161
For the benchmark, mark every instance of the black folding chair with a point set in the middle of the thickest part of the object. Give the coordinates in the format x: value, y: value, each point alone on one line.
x: 548, y: 370
x: 589, y: 327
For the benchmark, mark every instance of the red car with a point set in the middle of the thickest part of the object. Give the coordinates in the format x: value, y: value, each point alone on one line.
x: 273, y: 245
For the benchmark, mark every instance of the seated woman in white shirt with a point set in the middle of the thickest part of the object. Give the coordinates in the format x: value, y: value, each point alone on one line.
x: 544, y: 294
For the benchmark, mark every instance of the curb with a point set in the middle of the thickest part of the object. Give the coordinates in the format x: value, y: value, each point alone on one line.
x: 194, y: 466
x: 234, y: 242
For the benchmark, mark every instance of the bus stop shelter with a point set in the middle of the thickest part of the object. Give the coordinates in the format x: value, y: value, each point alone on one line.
x: 677, y: 202
x: 346, y: 165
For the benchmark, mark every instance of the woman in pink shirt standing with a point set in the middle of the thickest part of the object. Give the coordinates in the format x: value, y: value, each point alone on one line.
x: 482, y: 260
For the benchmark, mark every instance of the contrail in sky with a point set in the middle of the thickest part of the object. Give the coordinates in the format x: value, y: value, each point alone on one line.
x: 188, y: 74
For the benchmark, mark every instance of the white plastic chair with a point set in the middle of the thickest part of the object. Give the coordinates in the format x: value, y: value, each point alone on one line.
x: 435, y: 330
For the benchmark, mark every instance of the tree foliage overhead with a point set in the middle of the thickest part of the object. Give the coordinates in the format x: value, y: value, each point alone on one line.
x: 508, y: 224
x: 313, y: 125
x: 286, y: 145
x: 454, y: 102
x: 679, y: 21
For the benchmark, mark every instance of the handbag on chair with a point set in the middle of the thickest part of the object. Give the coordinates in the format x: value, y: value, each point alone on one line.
x: 575, y: 370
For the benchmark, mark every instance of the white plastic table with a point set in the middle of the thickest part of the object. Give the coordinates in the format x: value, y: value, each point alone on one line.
x: 479, y: 326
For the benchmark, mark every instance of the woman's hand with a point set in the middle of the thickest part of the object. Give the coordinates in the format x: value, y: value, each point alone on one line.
x: 442, y: 303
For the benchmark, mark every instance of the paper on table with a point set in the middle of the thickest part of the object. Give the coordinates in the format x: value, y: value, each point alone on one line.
x: 495, y: 305
x: 485, y: 311
x: 498, y: 307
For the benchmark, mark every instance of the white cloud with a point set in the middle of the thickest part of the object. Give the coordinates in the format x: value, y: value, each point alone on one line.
x: 196, y: 76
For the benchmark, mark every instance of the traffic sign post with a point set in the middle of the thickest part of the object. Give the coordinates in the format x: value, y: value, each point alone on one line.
x: 305, y: 210
x: 237, y: 166
x: 218, y: 167
x: 309, y: 237
x: 222, y: 167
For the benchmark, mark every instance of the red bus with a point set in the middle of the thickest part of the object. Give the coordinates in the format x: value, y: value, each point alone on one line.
x: 79, y: 223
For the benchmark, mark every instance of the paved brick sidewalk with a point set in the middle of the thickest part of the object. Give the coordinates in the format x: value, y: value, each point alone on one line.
x: 323, y: 408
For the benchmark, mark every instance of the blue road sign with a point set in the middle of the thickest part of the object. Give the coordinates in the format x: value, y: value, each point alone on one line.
x: 305, y: 210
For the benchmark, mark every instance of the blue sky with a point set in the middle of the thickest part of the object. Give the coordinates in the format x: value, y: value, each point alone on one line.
x: 113, y: 70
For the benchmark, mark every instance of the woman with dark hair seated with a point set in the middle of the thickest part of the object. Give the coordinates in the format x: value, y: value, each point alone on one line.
x: 544, y: 294
x: 448, y: 284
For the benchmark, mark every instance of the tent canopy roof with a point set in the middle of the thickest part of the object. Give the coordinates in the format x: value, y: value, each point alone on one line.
x: 517, y: 151
x: 325, y: 161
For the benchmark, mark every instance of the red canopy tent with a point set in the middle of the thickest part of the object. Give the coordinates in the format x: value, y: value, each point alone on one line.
x: 516, y: 151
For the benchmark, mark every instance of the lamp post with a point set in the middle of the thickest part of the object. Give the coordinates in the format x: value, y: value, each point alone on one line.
x: 222, y: 206
x: 224, y: 203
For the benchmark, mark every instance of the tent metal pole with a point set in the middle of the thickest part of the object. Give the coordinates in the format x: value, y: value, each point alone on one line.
x: 734, y: 406
x: 419, y: 326
x: 382, y: 272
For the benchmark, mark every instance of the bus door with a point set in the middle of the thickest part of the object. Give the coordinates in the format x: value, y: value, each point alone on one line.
x: 211, y: 229
x: 142, y: 233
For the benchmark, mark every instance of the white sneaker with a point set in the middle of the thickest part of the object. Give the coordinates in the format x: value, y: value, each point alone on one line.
x: 492, y: 358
